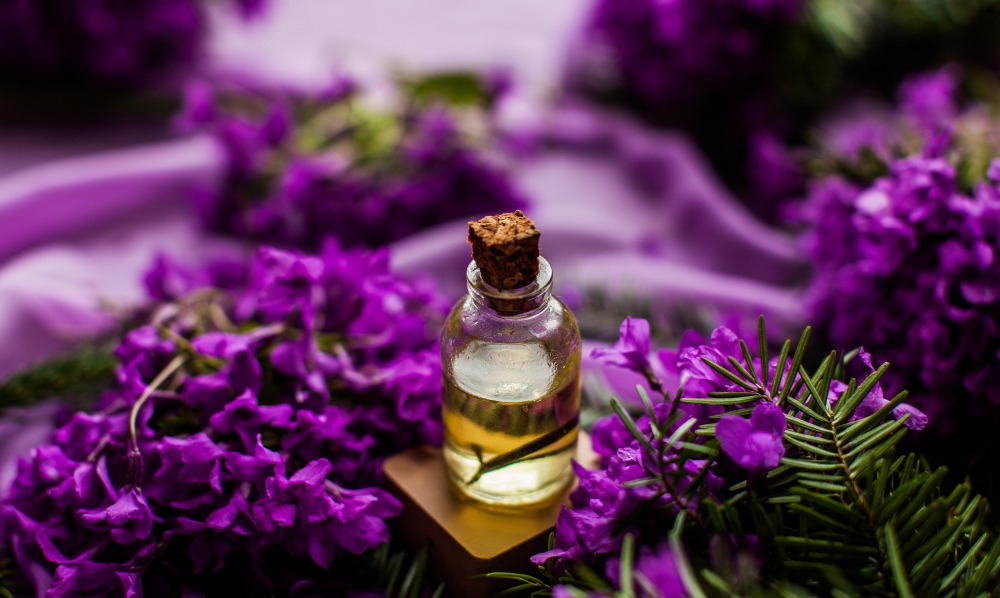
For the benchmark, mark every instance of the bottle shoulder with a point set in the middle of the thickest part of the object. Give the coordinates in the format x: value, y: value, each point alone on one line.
x: 553, y: 319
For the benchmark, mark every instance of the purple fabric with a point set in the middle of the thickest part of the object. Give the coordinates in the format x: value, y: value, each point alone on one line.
x: 70, y: 264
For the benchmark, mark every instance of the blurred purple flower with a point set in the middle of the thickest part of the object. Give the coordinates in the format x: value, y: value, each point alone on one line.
x: 708, y: 67
x: 929, y: 99
x: 103, y: 42
x: 669, y: 53
x: 737, y: 559
x: 295, y: 182
x: 658, y: 568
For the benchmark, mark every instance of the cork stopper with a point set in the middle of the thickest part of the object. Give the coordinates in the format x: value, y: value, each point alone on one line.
x: 505, y: 247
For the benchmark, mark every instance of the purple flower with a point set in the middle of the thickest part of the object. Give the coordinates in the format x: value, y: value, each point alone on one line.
x: 930, y: 99
x: 245, y: 418
x: 755, y: 444
x: 631, y: 351
x: 672, y: 52
x: 687, y: 366
x: 128, y: 518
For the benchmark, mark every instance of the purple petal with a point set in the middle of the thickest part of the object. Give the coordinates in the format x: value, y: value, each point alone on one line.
x: 768, y: 418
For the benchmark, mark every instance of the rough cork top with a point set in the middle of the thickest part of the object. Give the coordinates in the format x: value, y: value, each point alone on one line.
x: 505, y: 248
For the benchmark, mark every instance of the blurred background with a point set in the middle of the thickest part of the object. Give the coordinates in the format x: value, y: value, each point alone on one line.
x: 691, y: 162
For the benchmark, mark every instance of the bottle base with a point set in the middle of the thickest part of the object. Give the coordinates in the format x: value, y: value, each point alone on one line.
x: 533, y: 482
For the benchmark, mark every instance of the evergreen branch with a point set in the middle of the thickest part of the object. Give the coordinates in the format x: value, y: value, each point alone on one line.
x: 842, y: 515
x: 844, y: 507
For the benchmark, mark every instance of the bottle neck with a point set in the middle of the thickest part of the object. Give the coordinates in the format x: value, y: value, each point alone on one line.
x: 513, y: 302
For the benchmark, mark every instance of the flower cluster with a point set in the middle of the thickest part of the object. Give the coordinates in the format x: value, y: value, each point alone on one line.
x: 239, y: 451
x: 906, y: 262
x: 103, y: 41
x: 301, y: 168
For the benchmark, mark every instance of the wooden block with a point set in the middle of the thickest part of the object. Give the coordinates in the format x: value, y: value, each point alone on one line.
x: 466, y: 538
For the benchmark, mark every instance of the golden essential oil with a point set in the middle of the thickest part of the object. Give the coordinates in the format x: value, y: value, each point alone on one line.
x: 511, y: 416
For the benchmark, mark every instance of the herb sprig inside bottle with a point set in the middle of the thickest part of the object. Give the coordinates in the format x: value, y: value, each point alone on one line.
x: 511, y: 367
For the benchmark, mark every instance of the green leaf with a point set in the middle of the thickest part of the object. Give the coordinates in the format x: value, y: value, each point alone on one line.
x: 800, y: 350
x: 825, y: 546
x: 688, y: 576
x: 681, y: 431
x: 627, y: 564
x: 629, y: 423
x: 813, y: 465
x: 896, y: 562
x: 808, y: 410
x: 748, y: 374
x: 863, y: 425
x: 729, y: 375
x: 762, y: 350
x: 650, y: 412
x: 811, y: 439
x: 779, y: 371
x: 740, y: 399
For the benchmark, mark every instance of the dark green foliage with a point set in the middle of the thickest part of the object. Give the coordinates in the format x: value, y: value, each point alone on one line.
x: 5, y: 572
x: 401, y: 577
x: 76, y: 376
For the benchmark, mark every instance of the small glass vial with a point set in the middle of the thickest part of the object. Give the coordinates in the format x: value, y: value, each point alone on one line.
x: 511, y: 367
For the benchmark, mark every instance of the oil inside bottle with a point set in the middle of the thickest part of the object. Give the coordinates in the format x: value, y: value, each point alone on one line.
x: 511, y: 417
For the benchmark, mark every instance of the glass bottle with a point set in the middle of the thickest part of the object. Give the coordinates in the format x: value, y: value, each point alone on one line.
x: 511, y: 368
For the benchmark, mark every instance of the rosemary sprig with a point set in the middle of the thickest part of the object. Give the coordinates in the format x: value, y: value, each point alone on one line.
x: 524, y: 452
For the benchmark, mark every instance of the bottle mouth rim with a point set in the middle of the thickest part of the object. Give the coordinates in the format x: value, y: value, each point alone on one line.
x: 541, y: 284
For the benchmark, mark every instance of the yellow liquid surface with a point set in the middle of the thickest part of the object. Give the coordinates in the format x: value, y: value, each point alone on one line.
x: 511, y: 418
